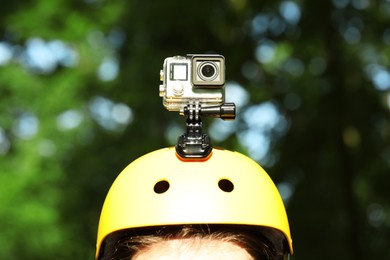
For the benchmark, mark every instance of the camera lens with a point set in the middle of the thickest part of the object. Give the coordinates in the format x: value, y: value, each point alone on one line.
x: 208, y: 71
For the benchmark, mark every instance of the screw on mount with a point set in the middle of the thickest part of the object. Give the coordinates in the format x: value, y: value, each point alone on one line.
x: 194, y: 143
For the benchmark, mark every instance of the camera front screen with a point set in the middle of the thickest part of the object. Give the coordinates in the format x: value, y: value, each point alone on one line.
x: 179, y: 71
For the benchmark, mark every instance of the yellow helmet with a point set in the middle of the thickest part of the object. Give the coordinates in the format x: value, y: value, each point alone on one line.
x: 161, y: 188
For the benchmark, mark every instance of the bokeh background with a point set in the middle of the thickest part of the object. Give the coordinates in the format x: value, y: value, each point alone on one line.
x: 79, y: 100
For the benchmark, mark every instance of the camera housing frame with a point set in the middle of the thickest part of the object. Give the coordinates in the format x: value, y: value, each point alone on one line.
x: 194, y: 85
x: 193, y: 78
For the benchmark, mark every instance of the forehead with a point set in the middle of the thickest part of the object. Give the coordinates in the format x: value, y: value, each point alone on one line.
x: 193, y: 249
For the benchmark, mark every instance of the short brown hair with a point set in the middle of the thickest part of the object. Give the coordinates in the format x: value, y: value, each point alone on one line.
x: 126, y: 244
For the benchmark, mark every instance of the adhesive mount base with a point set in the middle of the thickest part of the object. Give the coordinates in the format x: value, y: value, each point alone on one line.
x: 193, y: 143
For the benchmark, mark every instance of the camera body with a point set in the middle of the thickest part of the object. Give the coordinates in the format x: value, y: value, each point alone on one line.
x: 195, y: 78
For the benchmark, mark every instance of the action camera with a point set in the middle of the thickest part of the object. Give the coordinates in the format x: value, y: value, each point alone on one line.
x: 196, y: 78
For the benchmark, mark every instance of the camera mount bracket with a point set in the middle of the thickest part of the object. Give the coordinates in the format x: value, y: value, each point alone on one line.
x: 194, y: 143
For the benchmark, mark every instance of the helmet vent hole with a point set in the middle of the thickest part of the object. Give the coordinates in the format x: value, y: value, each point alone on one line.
x: 226, y: 185
x: 161, y: 187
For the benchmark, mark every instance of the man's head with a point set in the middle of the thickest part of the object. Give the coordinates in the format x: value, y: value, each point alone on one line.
x: 226, y: 192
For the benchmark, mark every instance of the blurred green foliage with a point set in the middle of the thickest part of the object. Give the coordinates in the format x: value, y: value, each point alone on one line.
x: 79, y: 101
